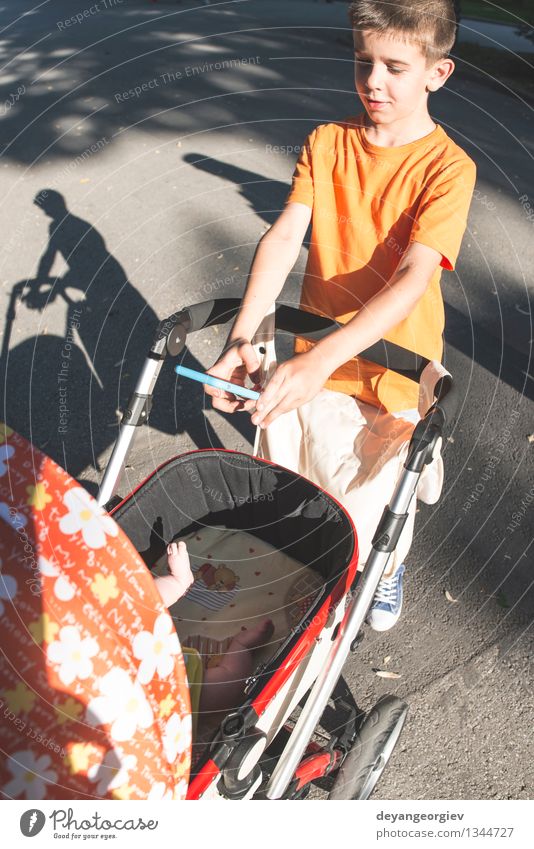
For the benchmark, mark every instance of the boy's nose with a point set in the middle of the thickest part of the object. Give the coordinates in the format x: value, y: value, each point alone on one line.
x: 375, y: 78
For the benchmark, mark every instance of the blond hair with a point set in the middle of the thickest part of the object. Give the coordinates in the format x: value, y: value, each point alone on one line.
x: 432, y: 24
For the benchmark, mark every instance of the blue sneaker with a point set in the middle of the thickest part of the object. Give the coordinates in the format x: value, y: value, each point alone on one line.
x: 387, y: 603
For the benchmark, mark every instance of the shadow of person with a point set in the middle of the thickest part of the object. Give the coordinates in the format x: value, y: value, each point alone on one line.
x: 63, y: 392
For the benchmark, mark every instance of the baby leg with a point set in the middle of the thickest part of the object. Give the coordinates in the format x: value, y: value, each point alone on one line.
x: 174, y: 586
x: 224, y: 684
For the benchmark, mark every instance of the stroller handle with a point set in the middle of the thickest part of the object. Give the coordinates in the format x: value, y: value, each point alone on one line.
x: 170, y: 340
x: 312, y: 327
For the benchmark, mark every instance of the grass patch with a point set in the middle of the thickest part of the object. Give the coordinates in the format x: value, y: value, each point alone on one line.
x: 504, y: 67
x: 483, y: 10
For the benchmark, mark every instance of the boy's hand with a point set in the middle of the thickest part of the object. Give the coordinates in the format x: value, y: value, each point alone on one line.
x: 234, y: 365
x: 293, y: 384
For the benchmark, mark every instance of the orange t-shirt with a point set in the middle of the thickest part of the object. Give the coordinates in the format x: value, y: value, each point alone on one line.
x: 369, y: 203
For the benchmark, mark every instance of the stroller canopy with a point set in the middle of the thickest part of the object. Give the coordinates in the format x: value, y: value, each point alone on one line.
x: 95, y: 702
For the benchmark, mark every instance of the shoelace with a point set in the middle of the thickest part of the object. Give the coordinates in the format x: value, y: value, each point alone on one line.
x: 387, y: 590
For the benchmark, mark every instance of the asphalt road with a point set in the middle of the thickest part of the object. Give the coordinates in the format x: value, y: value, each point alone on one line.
x: 169, y: 132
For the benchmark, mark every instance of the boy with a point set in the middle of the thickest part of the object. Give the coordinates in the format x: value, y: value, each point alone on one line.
x: 388, y: 194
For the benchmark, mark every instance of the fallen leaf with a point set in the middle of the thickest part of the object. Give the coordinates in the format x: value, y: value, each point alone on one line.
x: 387, y: 659
x: 449, y: 597
x: 384, y: 673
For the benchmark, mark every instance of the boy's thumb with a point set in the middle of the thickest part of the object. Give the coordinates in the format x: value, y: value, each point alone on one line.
x: 248, y: 355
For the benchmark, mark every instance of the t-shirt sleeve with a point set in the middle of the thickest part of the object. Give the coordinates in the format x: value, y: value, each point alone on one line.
x: 442, y: 215
x: 302, y: 186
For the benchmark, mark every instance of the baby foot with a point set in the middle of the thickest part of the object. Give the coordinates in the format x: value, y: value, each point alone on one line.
x: 173, y: 586
x: 256, y: 636
x: 179, y: 566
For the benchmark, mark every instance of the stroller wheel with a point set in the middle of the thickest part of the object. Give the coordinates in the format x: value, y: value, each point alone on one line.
x: 374, y: 743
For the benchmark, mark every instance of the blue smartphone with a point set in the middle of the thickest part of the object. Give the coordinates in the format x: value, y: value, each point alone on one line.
x: 202, y: 377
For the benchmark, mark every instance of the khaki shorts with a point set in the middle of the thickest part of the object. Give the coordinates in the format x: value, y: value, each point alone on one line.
x: 355, y: 453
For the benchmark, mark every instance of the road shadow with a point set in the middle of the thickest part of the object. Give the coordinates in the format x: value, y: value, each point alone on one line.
x: 265, y: 197
x: 64, y: 392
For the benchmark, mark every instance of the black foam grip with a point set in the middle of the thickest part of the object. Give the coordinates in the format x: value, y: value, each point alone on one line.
x: 309, y: 326
x: 447, y: 398
x: 216, y: 311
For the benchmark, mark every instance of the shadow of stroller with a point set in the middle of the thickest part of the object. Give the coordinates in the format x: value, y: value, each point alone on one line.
x: 264, y: 195
x: 64, y: 392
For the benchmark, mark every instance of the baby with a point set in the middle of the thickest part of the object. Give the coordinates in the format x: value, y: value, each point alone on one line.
x: 223, y: 685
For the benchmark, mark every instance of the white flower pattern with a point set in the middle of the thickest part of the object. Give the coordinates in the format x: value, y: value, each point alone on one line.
x: 87, y: 516
x: 160, y: 791
x: 177, y: 736
x: 6, y: 452
x: 8, y: 589
x: 72, y: 654
x: 63, y: 589
x: 156, y: 650
x: 180, y: 789
x: 113, y: 771
x: 16, y: 520
x: 31, y: 774
x: 123, y: 705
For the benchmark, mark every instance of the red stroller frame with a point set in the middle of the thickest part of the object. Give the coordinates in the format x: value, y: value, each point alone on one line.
x: 255, y: 753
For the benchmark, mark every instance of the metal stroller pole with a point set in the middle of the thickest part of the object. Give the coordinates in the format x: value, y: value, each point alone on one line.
x: 355, y: 616
x: 139, y: 406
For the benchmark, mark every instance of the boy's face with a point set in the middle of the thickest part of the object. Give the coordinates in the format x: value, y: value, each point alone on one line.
x: 392, y: 76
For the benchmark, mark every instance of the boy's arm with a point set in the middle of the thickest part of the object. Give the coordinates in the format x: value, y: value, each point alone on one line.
x: 299, y: 379
x: 275, y: 256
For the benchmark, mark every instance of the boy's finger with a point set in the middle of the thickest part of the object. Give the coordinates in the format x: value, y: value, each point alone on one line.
x: 264, y: 408
x: 270, y: 393
x: 224, y: 405
x: 210, y: 390
x: 218, y: 393
x: 250, y: 360
x: 280, y: 408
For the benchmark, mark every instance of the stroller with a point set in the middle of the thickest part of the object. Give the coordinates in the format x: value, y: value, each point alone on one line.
x: 261, y: 749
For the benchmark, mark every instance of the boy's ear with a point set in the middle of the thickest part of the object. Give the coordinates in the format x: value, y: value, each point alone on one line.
x: 439, y: 74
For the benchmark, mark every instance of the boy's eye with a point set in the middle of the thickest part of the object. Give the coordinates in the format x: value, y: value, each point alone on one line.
x: 366, y: 63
